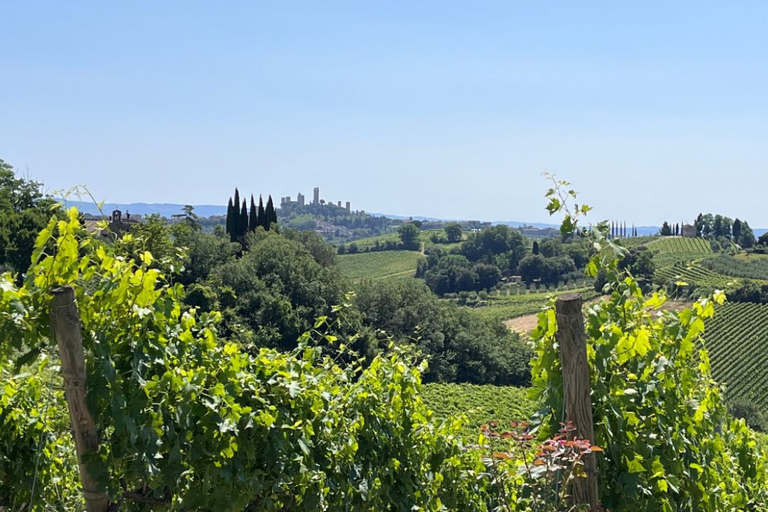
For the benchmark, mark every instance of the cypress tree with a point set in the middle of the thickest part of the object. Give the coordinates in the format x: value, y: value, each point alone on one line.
x: 262, y: 216
x: 271, y: 213
x: 535, y: 247
x: 736, y: 230
x: 253, y: 221
x: 236, y: 215
x: 243, y: 224
x: 230, y: 219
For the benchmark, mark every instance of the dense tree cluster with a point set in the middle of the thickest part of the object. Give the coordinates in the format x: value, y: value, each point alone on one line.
x: 724, y: 230
x: 487, y: 256
x: 24, y: 211
x: 240, y: 222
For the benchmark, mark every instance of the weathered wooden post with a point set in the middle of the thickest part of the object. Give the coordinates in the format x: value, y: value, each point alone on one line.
x: 576, y: 388
x: 65, y: 322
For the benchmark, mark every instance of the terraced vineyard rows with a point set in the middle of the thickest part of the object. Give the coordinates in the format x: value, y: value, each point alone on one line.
x: 737, y: 340
x: 666, y: 245
x: 671, y: 250
x: 694, y: 274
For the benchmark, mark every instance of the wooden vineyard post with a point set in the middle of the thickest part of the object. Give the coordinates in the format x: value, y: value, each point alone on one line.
x: 576, y: 389
x: 65, y: 322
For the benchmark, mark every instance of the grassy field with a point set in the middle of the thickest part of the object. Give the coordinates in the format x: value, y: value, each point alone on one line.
x: 379, y: 265
x: 481, y: 404
x: 425, y: 236
x: 737, y: 340
x: 510, y: 306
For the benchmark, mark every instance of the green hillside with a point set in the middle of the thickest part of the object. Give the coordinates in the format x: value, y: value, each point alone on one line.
x: 504, y: 307
x: 379, y: 265
x: 737, y: 339
x: 670, y: 250
x: 694, y: 274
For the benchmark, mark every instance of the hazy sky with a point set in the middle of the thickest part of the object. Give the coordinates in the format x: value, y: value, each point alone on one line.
x: 445, y: 109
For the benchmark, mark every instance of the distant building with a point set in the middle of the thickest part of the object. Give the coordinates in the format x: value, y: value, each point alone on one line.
x: 348, y: 207
x: 300, y: 199
x: 339, y: 204
x: 120, y: 224
x: 316, y: 199
x: 688, y: 231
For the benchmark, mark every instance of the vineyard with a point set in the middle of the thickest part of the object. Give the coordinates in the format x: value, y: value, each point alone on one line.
x: 504, y: 307
x: 480, y: 404
x: 671, y: 250
x: 694, y: 274
x: 737, y: 340
x: 754, y: 268
x: 665, y: 245
x: 379, y: 265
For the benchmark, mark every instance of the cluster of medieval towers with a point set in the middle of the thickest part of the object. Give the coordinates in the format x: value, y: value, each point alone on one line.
x: 300, y: 200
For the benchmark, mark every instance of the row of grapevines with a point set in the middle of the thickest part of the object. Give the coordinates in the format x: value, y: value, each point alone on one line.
x: 680, y: 245
x: 694, y: 274
x: 737, y: 339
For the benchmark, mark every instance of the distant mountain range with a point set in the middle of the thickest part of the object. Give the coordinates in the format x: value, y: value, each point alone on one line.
x: 209, y: 210
x: 164, y: 209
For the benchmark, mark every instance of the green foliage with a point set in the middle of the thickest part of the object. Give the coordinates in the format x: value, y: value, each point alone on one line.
x: 480, y: 404
x: 660, y: 417
x: 196, y: 422
x: 755, y: 268
x: 409, y: 236
x: 201, y: 252
x: 459, y: 345
x: 536, y: 267
x: 754, y: 415
x: 24, y: 211
x: 499, y: 244
x: 379, y: 265
x: 453, y: 232
x: 279, y: 290
x: 36, y: 451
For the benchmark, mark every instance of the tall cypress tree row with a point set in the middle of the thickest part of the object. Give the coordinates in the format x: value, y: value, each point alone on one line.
x: 236, y: 216
x: 230, y: 220
x: 262, y: 216
x: 253, y: 222
x: 243, y: 224
x: 270, y: 213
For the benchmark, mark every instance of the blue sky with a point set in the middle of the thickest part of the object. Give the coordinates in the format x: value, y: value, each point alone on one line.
x: 444, y: 109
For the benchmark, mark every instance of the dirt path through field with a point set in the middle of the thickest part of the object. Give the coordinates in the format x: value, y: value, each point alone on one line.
x: 525, y: 324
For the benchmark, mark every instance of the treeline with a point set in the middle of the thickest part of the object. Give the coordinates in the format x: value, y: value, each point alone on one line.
x: 724, y: 230
x: 240, y: 221
x: 24, y: 211
x: 495, y: 253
